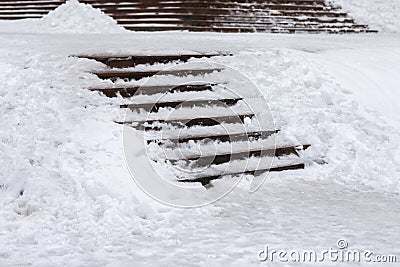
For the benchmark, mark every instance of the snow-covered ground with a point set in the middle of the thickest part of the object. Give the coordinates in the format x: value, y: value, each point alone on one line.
x: 381, y: 15
x: 66, y: 195
x: 60, y: 146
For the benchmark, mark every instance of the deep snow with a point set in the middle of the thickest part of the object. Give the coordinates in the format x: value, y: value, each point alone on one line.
x: 60, y: 146
x: 66, y: 196
x: 381, y: 15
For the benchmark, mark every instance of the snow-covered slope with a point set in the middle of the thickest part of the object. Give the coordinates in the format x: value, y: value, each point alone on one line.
x: 382, y: 15
x: 371, y: 77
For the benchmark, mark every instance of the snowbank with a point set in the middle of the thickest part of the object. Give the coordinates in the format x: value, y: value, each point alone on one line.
x: 379, y: 14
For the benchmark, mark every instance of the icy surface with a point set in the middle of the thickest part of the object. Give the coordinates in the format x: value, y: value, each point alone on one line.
x: 67, y: 196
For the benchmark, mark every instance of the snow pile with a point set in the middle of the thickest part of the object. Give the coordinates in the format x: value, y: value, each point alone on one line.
x: 382, y: 15
x: 75, y: 17
x: 56, y: 170
x: 310, y: 107
x: 62, y: 167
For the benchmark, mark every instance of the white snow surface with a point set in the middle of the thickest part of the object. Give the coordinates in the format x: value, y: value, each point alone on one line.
x: 70, y: 17
x: 79, y: 206
x: 382, y: 15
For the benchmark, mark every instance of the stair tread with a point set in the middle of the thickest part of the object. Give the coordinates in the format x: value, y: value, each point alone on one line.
x: 234, y: 135
x: 123, y: 71
x: 129, y: 91
x: 220, y: 157
x: 230, y: 16
x: 250, y: 29
x: 103, y: 57
x: 206, y: 120
x: 131, y: 74
x: 181, y: 101
x: 207, y: 177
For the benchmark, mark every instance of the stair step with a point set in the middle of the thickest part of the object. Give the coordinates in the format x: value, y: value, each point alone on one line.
x: 218, y: 18
x: 27, y: 16
x: 237, y: 23
x: 189, y: 122
x: 258, y: 26
x: 197, y: 22
x: 228, y: 12
x: 322, y: 30
x: 249, y: 29
x: 155, y: 106
x: 297, y: 2
x: 130, y: 91
x: 273, y: 16
x: 212, y: 4
x: 29, y: 7
x: 231, y: 137
x: 205, y: 180
x: 137, y: 75
x: 196, y: 121
x: 24, y: 3
x: 125, y: 61
x: 217, y: 159
x: 25, y: 12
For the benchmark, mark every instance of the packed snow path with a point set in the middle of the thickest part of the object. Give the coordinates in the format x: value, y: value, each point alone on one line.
x: 202, y: 130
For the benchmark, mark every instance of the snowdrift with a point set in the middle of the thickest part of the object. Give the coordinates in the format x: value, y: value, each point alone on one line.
x: 382, y: 15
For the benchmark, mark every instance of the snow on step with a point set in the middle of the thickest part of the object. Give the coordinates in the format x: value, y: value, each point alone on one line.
x: 218, y: 132
x: 189, y: 121
x: 182, y: 93
x: 228, y: 136
x: 124, y: 61
x: 137, y: 75
x: 221, y: 151
x: 253, y: 166
x: 155, y: 106
x: 129, y: 91
x: 25, y: 11
x: 195, y: 125
x: 210, y: 15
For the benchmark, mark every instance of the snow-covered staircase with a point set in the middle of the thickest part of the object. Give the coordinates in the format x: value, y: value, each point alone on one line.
x: 195, y: 128
x: 10, y: 10
x: 276, y: 16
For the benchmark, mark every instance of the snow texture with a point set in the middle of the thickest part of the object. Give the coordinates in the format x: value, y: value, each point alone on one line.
x: 70, y: 17
x: 67, y: 196
x: 382, y: 15
x: 77, y: 17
